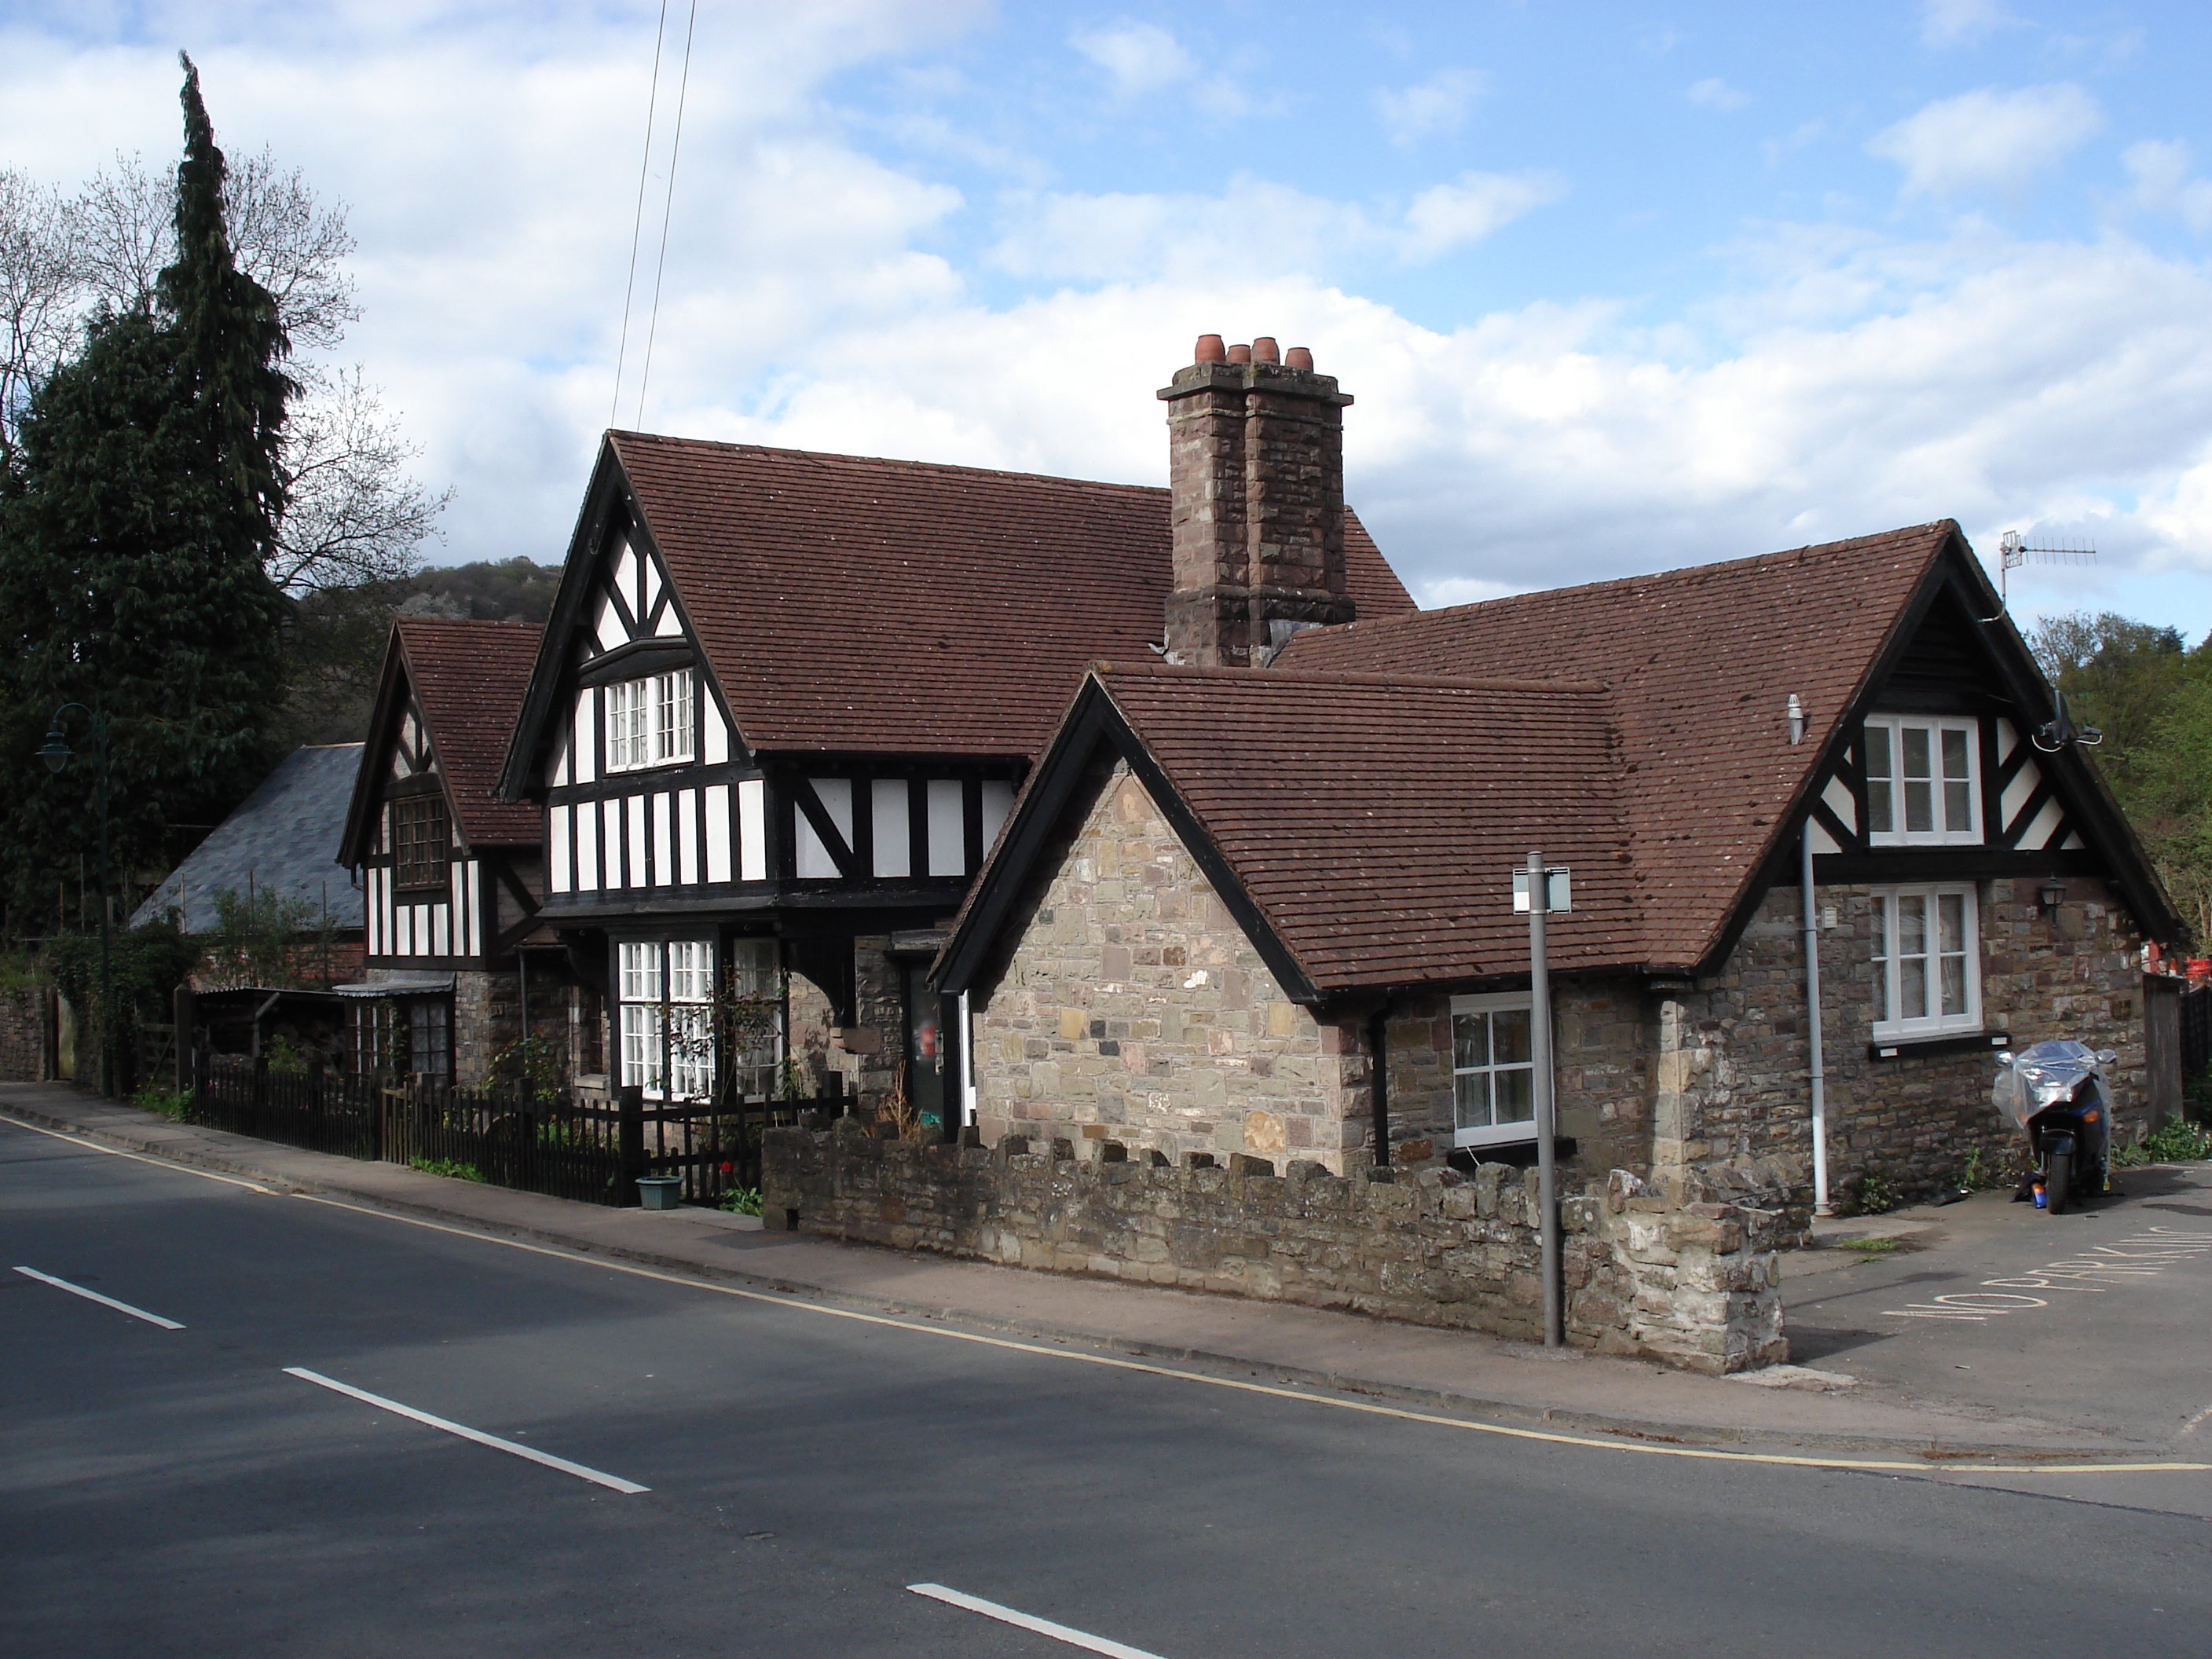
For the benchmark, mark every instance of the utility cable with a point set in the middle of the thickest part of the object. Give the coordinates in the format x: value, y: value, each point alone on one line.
x: 674, y: 146
x: 637, y: 221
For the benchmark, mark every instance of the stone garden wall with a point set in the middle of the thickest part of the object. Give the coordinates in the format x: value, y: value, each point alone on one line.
x: 24, y: 1032
x: 1692, y: 1286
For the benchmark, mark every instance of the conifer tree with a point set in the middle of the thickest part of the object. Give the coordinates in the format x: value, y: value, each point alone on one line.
x: 138, y: 513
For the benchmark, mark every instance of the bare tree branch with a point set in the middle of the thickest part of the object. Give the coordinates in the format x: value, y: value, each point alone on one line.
x: 40, y: 291
x: 355, y: 516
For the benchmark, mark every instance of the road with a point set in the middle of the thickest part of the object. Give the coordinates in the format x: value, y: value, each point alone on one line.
x: 179, y: 1492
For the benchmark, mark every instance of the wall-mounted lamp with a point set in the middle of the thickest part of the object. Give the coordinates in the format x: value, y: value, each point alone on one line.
x: 1797, y: 720
x: 2053, y: 894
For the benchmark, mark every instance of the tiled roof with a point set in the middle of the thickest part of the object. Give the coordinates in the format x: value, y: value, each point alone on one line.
x: 1377, y: 822
x: 1700, y: 664
x: 468, y: 678
x: 896, y: 606
x: 283, y: 838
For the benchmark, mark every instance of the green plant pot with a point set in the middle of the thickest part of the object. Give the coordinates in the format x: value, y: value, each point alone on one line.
x: 660, y: 1191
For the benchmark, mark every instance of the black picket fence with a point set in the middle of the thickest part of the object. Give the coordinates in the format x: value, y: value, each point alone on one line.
x: 561, y: 1145
x: 2195, y: 1032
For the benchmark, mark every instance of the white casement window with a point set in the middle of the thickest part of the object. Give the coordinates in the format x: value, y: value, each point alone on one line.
x: 649, y: 721
x: 1493, y: 1070
x: 667, y: 1025
x: 1927, y: 961
x: 1923, y: 786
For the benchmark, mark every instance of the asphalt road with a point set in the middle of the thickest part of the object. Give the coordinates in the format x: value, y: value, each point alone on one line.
x: 176, y: 1493
x: 2100, y: 1318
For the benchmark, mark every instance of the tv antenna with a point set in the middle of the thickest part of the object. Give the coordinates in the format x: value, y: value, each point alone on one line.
x: 2014, y: 551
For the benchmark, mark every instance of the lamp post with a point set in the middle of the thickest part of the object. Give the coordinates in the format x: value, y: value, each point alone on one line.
x: 56, y: 754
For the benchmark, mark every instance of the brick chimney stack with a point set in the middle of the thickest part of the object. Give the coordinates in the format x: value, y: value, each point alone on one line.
x: 1255, y: 474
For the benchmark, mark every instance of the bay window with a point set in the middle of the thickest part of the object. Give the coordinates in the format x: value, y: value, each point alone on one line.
x: 665, y: 993
x: 1927, y: 961
x: 649, y: 720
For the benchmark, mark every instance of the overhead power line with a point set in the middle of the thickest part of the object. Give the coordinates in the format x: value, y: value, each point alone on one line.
x: 675, y: 147
x: 637, y: 221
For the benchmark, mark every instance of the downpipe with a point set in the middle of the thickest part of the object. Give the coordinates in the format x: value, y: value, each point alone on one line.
x: 1817, y: 1070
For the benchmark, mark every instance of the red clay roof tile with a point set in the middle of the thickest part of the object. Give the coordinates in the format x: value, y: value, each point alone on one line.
x: 468, y: 678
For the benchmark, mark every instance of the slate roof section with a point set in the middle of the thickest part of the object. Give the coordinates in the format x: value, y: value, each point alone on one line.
x: 1375, y: 822
x: 468, y: 678
x: 1700, y: 664
x: 284, y: 838
x: 861, y: 606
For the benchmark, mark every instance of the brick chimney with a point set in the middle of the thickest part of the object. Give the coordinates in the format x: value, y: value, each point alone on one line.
x: 1255, y: 473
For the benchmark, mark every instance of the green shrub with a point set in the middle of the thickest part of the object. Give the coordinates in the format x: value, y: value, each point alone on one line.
x: 1875, y: 1192
x: 2177, y: 1140
x: 450, y: 1167
x: 176, y: 1104
x: 742, y: 1200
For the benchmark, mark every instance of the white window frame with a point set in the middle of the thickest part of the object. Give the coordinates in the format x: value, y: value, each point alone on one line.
x: 1889, y: 962
x: 1941, y: 784
x: 1493, y: 1135
x: 663, y: 987
x: 651, y: 721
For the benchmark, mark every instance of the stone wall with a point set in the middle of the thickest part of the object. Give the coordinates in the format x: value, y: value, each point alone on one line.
x: 1731, y: 1094
x: 24, y: 1032
x: 1692, y: 1286
x: 1133, y: 1008
x: 487, y: 1016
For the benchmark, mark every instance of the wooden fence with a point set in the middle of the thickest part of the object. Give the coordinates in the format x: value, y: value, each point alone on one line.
x: 563, y: 1145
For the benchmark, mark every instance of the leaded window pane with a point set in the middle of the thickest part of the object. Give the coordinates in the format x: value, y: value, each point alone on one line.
x: 1880, y: 811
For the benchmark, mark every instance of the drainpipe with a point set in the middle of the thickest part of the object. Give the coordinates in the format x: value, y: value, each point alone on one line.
x: 1378, y: 1028
x: 1817, y: 1070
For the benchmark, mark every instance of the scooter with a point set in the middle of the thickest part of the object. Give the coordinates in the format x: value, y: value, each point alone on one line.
x: 2055, y: 1092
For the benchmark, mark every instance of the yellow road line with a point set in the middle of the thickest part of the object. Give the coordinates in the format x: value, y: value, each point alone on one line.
x: 1053, y: 1352
x: 1337, y: 1402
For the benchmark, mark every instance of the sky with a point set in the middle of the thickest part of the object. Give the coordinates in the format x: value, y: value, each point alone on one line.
x: 1618, y: 288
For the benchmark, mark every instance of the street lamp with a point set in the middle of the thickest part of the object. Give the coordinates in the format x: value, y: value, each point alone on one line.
x: 57, y: 754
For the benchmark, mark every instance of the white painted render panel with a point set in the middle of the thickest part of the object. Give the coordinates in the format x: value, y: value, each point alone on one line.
x: 398, y: 947
x: 441, y: 930
x: 560, y: 761
x: 371, y: 903
x: 1822, y: 841
x: 625, y: 577
x: 668, y: 628
x: 948, y: 839
x: 2045, y: 826
x: 457, y: 893
x: 556, y: 837
x: 2007, y: 739
x: 472, y: 915
x: 998, y: 801
x: 585, y: 740
x: 607, y: 627
x: 611, y: 840
x: 714, y: 731
x: 752, y: 830
x: 814, y: 863
x: 1838, y: 798
x: 419, y: 930
x: 634, y: 851
x: 664, y: 860
x: 894, y: 847
x: 2014, y: 799
x: 718, y: 832
x: 2072, y: 844
x: 687, y: 837
x: 587, y: 849
x: 651, y: 572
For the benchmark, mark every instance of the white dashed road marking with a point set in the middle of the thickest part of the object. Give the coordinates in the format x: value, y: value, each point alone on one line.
x: 1074, y: 1639
x: 104, y: 1301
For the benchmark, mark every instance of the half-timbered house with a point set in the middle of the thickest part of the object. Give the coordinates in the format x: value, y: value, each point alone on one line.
x: 784, y: 702
x: 1272, y: 914
x: 450, y: 873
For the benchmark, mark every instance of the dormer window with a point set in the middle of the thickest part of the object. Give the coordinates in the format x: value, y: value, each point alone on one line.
x: 1922, y: 785
x: 649, y: 721
x: 420, y: 838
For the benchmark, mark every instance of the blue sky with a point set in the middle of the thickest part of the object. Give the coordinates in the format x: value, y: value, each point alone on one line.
x: 1617, y: 287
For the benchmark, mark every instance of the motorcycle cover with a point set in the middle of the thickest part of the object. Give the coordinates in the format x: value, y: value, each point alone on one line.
x: 2043, y: 1074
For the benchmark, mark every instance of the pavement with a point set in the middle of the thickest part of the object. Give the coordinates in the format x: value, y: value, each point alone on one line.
x: 2111, y: 1367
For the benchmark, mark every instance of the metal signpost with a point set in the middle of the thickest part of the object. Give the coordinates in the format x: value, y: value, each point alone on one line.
x: 1552, y: 884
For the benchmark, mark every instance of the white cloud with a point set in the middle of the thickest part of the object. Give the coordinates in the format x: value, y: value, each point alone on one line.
x: 1715, y: 93
x: 1253, y: 228
x: 1437, y: 105
x: 1141, y: 57
x: 1446, y: 217
x: 1959, y: 22
x: 1989, y: 138
x: 2161, y: 170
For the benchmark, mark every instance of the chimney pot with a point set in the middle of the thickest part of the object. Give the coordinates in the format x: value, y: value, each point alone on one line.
x: 1299, y: 357
x: 1263, y: 349
x: 1240, y: 353
x: 1209, y: 349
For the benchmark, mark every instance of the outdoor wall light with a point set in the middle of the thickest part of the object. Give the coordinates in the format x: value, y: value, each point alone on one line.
x: 2053, y: 894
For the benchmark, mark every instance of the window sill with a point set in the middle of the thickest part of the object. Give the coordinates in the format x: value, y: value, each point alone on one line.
x: 1944, y: 1042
